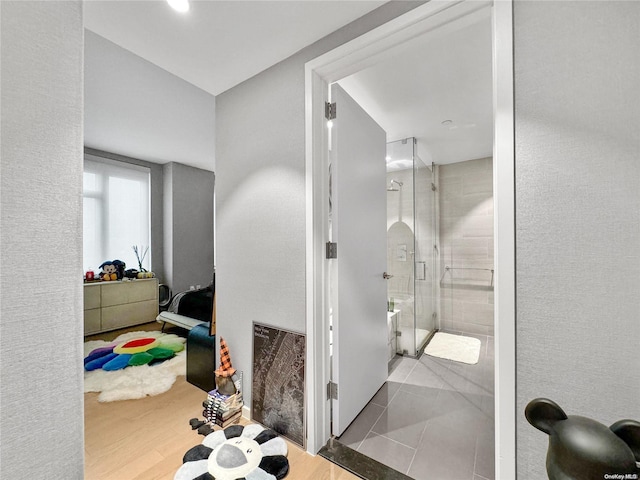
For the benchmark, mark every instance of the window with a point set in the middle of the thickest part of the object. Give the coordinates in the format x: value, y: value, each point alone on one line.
x: 116, y: 212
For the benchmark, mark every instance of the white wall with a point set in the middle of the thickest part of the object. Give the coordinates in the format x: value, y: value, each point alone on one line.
x: 41, y: 418
x: 260, y: 196
x: 137, y: 109
x: 577, y: 213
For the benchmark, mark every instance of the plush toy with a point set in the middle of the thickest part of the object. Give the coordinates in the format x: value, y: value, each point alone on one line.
x: 224, y: 374
x: 583, y: 449
x: 131, y: 273
x: 112, y: 270
x: 237, y: 453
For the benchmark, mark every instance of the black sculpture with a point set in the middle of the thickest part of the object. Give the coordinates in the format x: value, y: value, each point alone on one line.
x: 582, y: 449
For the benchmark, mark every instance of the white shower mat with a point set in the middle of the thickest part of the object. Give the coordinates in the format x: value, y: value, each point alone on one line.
x: 454, y: 347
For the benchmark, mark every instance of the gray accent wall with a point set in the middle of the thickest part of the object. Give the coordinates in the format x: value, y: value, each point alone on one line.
x: 577, y: 213
x: 41, y: 328
x: 260, y: 195
x: 188, y: 226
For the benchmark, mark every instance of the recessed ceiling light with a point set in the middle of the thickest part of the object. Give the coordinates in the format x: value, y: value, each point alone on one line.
x: 181, y: 6
x: 447, y: 122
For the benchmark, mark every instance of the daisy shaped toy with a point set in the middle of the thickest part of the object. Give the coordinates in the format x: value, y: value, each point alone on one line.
x: 237, y: 452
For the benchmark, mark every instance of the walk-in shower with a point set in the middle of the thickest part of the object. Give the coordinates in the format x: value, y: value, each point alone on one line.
x: 411, y: 248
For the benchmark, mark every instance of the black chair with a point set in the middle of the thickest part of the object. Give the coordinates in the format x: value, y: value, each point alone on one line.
x: 201, y: 357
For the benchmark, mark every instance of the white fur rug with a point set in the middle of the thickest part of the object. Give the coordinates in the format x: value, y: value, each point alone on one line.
x: 133, y: 382
x: 454, y: 347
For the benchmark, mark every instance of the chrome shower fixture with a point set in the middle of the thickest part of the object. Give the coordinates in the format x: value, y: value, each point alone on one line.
x: 391, y: 188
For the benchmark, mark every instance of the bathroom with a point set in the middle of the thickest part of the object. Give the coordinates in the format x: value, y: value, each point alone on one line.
x: 434, y: 417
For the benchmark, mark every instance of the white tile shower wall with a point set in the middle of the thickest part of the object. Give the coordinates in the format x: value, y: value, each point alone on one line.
x: 400, y: 203
x: 466, y: 242
x: 400, y: 236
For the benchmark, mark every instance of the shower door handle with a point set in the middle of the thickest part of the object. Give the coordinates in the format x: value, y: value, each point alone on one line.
x: 386, y: 276
x: 421, y: 270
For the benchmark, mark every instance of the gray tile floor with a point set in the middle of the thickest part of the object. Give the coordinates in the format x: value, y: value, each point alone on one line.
x: 433, y: 419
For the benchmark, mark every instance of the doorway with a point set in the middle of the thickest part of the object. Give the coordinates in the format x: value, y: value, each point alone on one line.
x: 429, y: 19
x: 434, y: 417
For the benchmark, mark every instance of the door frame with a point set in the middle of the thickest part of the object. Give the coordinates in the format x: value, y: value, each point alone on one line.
x: 434, y: 18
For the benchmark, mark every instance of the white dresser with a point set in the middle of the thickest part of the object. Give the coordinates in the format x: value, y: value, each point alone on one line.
x: 119, y: 304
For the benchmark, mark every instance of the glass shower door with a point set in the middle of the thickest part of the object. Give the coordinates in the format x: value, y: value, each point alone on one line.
x: 425, y: 283
x: 411, y: 238
x: 401, y: 244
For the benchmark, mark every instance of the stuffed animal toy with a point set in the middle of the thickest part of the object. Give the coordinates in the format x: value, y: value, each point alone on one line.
x: 112, y: 270
x: 224, y: 374
x: 131, y: 273
x: 583, y: 449
x: 237, y: 453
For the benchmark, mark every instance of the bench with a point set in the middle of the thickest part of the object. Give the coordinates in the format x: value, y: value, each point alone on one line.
x: 178, y: 320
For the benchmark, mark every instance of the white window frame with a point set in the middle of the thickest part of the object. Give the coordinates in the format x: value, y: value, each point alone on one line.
x: 107, y: 168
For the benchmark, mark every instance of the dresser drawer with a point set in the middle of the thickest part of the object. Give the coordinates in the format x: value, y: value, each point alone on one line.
x: 92, y: 321
x: 119, y: 316
x: 119, y: 293
x: 91, y: 296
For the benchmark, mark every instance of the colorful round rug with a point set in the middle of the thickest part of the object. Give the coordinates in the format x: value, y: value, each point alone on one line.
x: 145, y: 348
x: 135, y: 379
x: 238, y: 452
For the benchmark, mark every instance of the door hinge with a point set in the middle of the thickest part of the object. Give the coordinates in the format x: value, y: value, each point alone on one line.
x: 332, y: 250
x: 332, y: 391
x: 330, y: 111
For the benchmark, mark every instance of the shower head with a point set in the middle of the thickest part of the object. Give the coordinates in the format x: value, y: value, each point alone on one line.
x: 391, y: 188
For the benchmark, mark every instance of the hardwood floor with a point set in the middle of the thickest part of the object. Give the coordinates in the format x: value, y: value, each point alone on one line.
x: 146, y: 439
x: 145, y: 327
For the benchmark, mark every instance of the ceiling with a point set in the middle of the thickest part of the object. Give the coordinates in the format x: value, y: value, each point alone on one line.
x: 218, y: 44
x: 437, y: 89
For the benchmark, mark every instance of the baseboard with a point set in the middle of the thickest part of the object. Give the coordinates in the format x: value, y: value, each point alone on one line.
x: 246, y: 412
